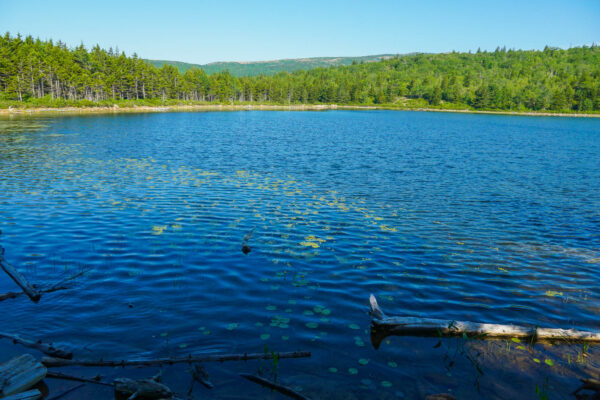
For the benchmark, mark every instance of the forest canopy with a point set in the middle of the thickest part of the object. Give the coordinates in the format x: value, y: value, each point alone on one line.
x: 553, y: 79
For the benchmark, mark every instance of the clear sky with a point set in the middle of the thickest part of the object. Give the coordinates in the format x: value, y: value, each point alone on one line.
x: 201, y: 31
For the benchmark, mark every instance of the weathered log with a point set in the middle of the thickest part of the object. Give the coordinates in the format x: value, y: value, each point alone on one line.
x: 55, y: 362
x: 59, y: 375
x: 33, y: 394
x: 19, y: 279
x: 142, y: 388
x: 19, y: 374
x: 414, y: 326
x: 46, y: 348
x: 275, y: 386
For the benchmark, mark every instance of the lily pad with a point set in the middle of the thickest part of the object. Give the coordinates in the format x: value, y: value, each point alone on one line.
x: 354, y: 326
x: 232, y: 326
x: 363, y: 361
x: 352, y: 371
x: 386, y: 384
x: 265, y: 336
x: 392, y: 364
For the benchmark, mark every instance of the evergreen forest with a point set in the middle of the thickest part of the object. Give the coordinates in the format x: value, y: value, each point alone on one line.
x: 36, y: 73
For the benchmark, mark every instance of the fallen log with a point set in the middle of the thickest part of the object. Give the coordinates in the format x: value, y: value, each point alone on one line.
x: 28, y: 395
x: 46, y: 348
x: 19, y: 279
x: 274, y: 386
x: 56, y: 362
x: 414, y: 326
x: 19, y: 374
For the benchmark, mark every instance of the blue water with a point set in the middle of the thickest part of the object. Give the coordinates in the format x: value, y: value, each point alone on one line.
x: 465, y: 217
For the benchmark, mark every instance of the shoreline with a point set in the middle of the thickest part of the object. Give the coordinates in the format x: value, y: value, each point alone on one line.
x: 264, y: 107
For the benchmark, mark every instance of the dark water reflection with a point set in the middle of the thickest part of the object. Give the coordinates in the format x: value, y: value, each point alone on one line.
x: 466, y: 217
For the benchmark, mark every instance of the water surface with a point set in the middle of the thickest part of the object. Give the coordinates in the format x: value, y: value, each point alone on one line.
x: 466, y: 217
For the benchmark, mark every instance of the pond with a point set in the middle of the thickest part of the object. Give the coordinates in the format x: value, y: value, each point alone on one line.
x: 482, y: 218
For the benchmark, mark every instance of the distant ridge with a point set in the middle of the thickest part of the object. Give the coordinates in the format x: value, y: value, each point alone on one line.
x: 253, y: 68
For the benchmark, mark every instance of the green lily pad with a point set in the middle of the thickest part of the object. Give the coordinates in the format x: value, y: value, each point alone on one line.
x: 386, y: 384
x: 333, y: 370
x: 271, y: 308
x: 265, y: 336
x: 549, y: 362
x: 232, y: 326
x: 353, y: 326
x: 393, y: 364
x: 312, y: 325
x: 352, y: 371
x: 363, y: 361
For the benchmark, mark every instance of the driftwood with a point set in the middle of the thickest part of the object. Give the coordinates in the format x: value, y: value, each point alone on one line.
x: 59, y: 375
x: 272, y: 385
x: 142, y: 388
x: 19, y: 279
x: 19, y: 374
x: 28, y: 395
x: 413, y: 326
x: 56, y: 362
x: 46, y: 348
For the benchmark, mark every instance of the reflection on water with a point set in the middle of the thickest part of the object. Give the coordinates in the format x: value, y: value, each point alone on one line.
x: 466, y: 217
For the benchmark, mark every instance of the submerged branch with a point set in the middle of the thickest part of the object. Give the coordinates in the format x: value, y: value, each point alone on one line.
x: 46, y: 348
x: 19, y: 279
x: 272, y: 385
x: 54, y: 362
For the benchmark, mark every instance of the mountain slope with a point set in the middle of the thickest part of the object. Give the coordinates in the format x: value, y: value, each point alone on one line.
x: 253, y: 68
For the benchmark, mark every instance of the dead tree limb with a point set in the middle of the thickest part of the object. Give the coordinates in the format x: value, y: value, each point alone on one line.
x: 61, y: 285
x: 414, y: 326
x: 56, y: 362
x: 19, y: 279
x: 272, y: 385
x: 59, y: 375
x: 46, y: 348
x: 66, y: 392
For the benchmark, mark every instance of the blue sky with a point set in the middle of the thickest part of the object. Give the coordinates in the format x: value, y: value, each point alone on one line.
x: 204, y: 31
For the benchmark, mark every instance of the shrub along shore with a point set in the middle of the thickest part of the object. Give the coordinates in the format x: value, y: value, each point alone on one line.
x: 134, y: 106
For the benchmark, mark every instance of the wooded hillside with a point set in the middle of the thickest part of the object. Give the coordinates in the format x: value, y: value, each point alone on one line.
x: 550, y: 79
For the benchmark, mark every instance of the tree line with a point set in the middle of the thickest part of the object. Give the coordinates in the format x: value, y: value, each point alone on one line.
x: 552, y: 79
